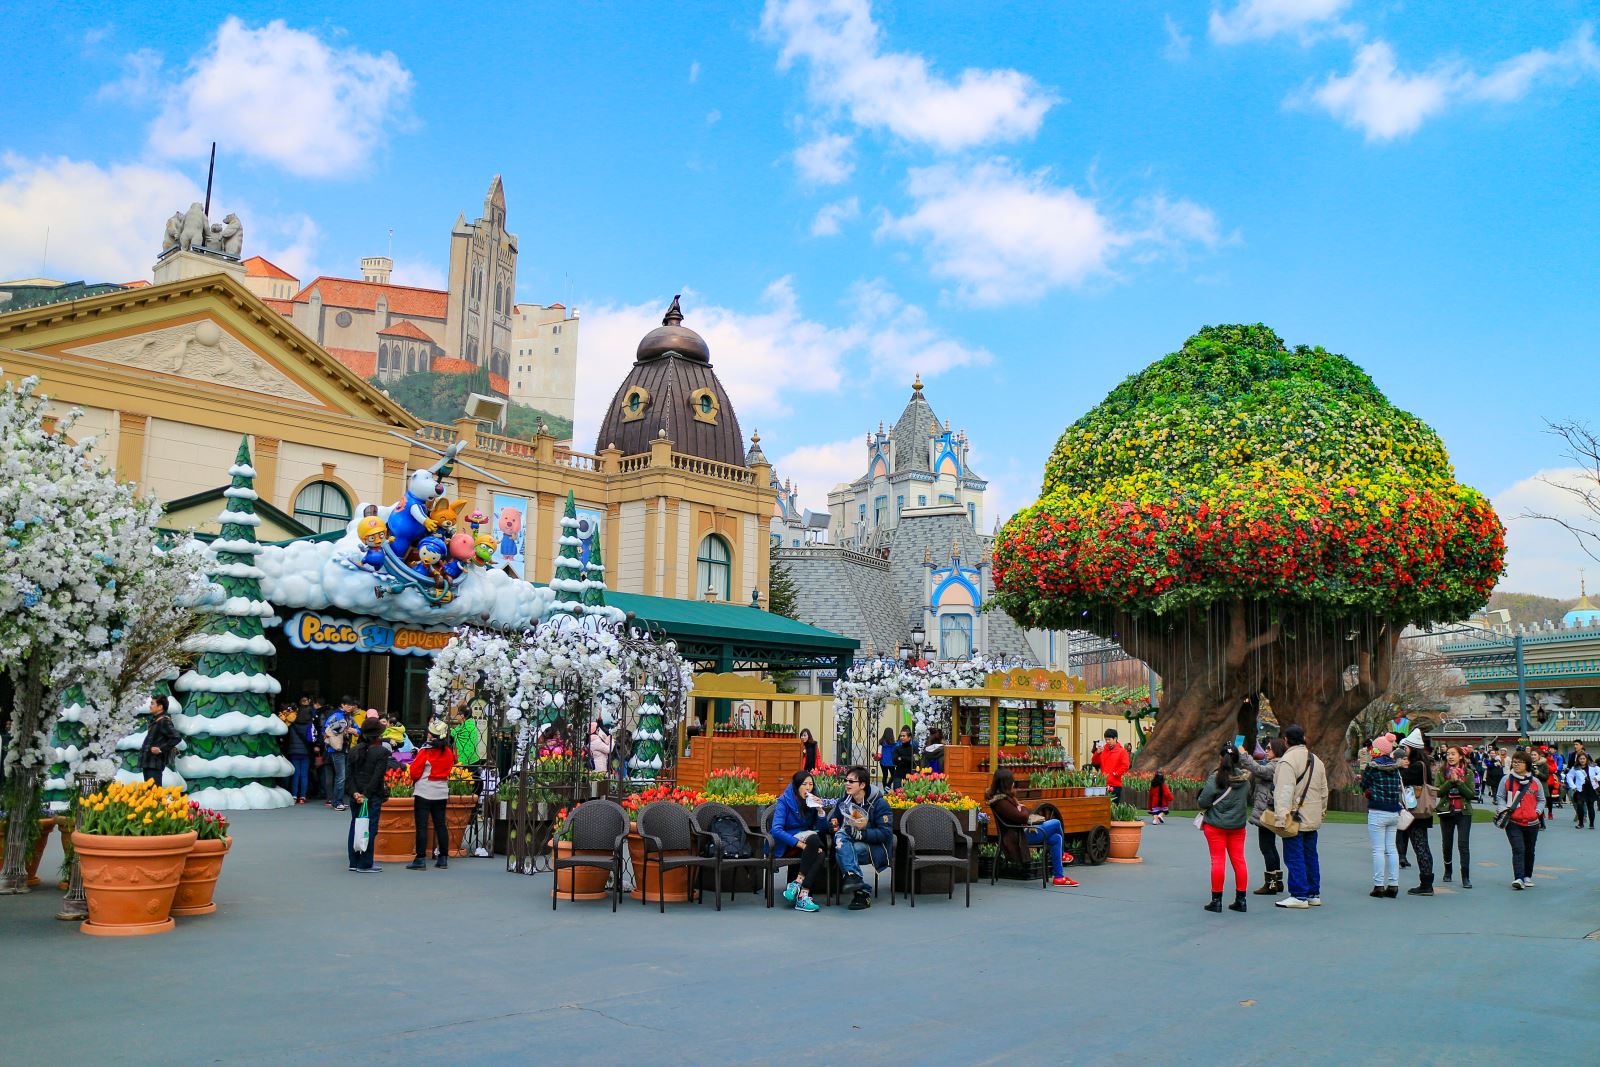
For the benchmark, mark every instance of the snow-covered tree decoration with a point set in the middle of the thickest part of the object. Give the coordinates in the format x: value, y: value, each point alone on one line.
x: 229, y: 728
x: 649, y: 748
x: 71, y: 538
x: 569, y: 581
x: 65, y: 752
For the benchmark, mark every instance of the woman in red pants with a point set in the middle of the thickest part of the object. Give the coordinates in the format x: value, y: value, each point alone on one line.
x: 1224, y: 811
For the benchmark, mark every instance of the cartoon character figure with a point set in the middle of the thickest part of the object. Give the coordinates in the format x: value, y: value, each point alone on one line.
x: 433, y: 565
x: 476, y: 520
x: 463, y: 549
x: 485, y: 545
x: 510, y: 531
x: 410, y: 520
x: 444, y: 515
x: 373, y: 536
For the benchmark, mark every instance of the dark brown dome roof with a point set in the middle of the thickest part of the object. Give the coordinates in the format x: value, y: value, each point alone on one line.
x: 672, y: 387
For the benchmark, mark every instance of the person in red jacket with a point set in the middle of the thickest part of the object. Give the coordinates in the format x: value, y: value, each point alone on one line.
x: 1160, y: 798
x: 1114, y: 762
x: 430, y: 776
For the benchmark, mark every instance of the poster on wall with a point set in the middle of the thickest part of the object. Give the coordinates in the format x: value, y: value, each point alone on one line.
x: 588, y: 532
x: 510, y: 532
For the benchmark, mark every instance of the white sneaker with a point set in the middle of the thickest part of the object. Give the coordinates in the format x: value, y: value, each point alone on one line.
x: 1516, y: 883
x: 1293, y: 902
x: 1315, y: 902
x: 1527, y: 883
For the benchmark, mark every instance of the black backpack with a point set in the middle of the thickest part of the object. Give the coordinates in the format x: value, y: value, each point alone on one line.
x: 729, y: 832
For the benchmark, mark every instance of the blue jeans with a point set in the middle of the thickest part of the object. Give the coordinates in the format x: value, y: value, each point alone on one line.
x: 298, y: 780
x: 851, y: 855
x: 1048, y: 834
x: 333, y: 777
x: 363, y: 860
x: 1300, y: 857
x: 1381, y: 827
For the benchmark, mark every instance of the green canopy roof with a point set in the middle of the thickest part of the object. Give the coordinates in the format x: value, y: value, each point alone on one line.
x: 736, y: 637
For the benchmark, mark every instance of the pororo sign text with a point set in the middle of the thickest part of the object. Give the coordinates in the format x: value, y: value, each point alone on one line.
x: 334, y: 633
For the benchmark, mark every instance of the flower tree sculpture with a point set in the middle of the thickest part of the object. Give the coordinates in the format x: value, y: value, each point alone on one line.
x: 1249, y: 518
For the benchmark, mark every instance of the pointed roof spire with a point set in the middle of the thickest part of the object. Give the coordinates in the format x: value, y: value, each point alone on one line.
x: 674, y: 314
x: 916, y: 383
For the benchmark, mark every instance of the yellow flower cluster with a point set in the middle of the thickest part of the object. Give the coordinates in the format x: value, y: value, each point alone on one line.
x: 140, y: 809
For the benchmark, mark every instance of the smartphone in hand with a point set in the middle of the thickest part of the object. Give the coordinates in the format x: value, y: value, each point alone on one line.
x: 1238, y: 740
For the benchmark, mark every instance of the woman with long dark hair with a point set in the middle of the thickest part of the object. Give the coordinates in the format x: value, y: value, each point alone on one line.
x: 886, y: 757
x: 1456, y: 793
x: 1224, y: 810
x: 797, y: 826
x: 1039, y: 830
x: 808, y: 751
x: 1260, y: 803
x: 1583, y: 783
x: 1416, y: 771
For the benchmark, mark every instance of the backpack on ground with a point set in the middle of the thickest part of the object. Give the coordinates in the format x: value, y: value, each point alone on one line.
x: 729, y: 833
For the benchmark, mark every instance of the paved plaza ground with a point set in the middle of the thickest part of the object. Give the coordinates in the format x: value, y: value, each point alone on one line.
x: 306, y: 963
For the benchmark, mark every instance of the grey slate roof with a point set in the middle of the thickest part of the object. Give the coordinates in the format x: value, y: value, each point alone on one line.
x: 911, y: 433
x: 845, y: 592
x: 934, y: 534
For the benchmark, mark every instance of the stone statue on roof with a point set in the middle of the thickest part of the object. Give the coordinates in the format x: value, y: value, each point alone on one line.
x: 192, y: 231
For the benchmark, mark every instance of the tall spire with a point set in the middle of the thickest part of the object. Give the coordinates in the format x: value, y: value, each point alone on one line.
x: 674, y: 314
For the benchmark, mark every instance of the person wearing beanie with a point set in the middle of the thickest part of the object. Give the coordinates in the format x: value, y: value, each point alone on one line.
x: 364, y: 778
x: 1300, y: 791
x: 1402, y: 731
x: 1456, y: 794
x: 1261, y: 767
x: 1416, y: 772
x: 430, y: 792
x: 1380, y: 781
x: 1224, y: 810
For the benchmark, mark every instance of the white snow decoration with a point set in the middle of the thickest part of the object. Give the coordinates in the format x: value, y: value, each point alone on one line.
x: 68, y: 755
x: 313, y: 575
x: 240, y: 607
x: 73, y: 713
x: 241, y: 470
x: 251, y: 797
x: 227, y: 682
x: 131, y: 742
x: 231, y: 724
x: 234, y: 570
x: 569, y: 540
x: 239, y: 492
x: 60, y: 783
x: 230, y: 644
x: 238, y: 548
x: 239, y: 518
x: 235, y: 767
x: 169, y: 778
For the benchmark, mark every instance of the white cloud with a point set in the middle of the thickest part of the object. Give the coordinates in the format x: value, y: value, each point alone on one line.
x: 832, y: 216
x: 896, y: 91
x: 1385, y: 102
x: 140, y: 79
x: 104, y: 223
x: 713, y: 117
x: 289, y: 242
x: 694, y: 72
x: 1541, y: 557
x: 1251, y: 20
x: 816, y: 469
x: 284, y: 96
x: 1178, y: 42
x: 826, y: 160
x: 1002, y: 234
x: 900, y: 341
x: 422, y: 274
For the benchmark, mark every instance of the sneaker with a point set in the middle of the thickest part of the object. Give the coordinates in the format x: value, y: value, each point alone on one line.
x: 357, y: 870
x: 1066, y: 857
x: 340, y: 807
x: 1293, y: 902
x: 790, y: 893
x: 1516, y: 883
x: 416, y: 865
x: 369, y: 870
x: 861, y: 901
x: 1315, y: 901
x: 1064, y: 880
x: 440, y: 864
x: 806, y: 904
x: 854, y: 884
x: 1527, y: 883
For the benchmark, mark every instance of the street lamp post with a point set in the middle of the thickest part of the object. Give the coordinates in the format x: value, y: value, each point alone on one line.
x: 1524, y: 727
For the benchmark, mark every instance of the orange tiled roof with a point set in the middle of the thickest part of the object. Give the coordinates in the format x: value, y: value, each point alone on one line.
x: 406, y: 329
x: 498, y: 383
x: 446, y: 365
x: 282, y: 307
x: 350, y: 293
x: 262, y: 267
x: 135, y: 285
x: 363, y: 363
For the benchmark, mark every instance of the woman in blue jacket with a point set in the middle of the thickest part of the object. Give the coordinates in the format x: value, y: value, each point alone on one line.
x: 797, y: 827
x: 886, y: 756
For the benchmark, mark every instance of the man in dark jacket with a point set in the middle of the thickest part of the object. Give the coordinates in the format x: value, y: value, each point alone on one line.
x: 863, y: 832
x: 368, y: 764
x: 905, y: 758
x: 160, y: 741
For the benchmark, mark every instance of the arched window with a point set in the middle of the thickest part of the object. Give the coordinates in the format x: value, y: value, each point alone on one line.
x: 955, y: 636
x: 323, y: 507
x: 716, y: 569
x: 383, y: 356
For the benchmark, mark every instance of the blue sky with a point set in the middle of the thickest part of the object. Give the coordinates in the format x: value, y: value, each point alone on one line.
x: 1024, y: 202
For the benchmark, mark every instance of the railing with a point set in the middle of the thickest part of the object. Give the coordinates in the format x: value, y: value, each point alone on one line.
x: 504, y: 446
x: 437, y: 431
x: 578, y: 461
x: 848, y: 554
x: 630, y: 464
x: 710, y: 468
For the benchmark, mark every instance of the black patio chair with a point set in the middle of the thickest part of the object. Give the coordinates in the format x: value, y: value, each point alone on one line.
x: 935, y: 839
x: 667, y: 827
x: 758, y: 860
x: 599, y: 832
x: 1020, y: 833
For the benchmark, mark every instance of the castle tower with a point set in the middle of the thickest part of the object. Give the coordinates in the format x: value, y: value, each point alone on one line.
x: 483, y: 286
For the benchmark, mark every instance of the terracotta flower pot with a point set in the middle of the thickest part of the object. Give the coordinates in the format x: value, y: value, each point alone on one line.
x: 200, y: 873
x: 591, y: 881
x: 130, y: 881
x: 676, y: 887
x: 395, y: 837
x: 1125, y: 837
x: 457, y: 814
x: 46, y: 824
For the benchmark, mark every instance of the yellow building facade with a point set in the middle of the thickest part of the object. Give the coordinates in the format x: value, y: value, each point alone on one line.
x: 169, y: 376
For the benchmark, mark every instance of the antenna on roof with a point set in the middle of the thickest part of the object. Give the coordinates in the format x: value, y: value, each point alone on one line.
x: 391, y: 242
x: 211, y: 170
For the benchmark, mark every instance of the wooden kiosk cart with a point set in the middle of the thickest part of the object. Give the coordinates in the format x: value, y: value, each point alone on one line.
x: 984, y: 731
x: 761, y: 731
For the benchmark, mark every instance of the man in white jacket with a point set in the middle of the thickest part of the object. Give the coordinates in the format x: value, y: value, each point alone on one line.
x: 1300, y: 790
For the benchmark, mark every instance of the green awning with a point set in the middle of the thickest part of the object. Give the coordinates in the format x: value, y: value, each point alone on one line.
x: 712, y: 621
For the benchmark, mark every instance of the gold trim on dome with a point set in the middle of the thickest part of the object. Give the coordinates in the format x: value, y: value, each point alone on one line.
x: 703, y: 405
x: 635, y: 403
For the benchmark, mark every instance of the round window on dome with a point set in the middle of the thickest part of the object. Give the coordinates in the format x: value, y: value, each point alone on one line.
x: 634, y: 403
x: 705, y: 404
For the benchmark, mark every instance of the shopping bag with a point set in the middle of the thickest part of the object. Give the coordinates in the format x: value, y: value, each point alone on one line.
x: 363, y: 829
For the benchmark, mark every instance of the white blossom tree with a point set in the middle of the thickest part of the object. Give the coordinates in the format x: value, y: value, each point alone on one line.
x: 73, y: 541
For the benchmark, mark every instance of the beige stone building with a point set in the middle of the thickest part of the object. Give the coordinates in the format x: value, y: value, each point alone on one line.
x: 544, y: 357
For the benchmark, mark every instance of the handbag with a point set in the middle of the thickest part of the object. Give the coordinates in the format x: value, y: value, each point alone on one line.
x: 1406, y: 819
x: 1200, y: 816
x: 1502, y: 818
x: 1408, y: 797
x: 362, y: 830
x: 1427, y: 799
x: 1290, y: 825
